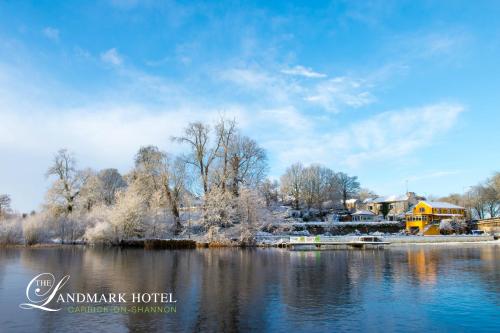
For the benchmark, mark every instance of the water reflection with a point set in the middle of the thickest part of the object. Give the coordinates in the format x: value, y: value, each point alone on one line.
x: 407, y: 288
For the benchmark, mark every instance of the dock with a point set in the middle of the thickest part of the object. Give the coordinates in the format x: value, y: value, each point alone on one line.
x: 319, y: 243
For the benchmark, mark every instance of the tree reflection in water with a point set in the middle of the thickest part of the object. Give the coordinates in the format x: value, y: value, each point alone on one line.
x: 258, y: 289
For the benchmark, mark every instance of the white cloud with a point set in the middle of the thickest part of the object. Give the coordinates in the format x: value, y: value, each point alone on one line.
x: 332, y: 95
x: 51, y: 33
x: 81, y: 53
x: 271, y: 89
x: 388, y: 136
x: 303, y: 71
x: 396, y: 134
x: 249, y: 78
x: 432, y: 175
x: 424, y: 45
x: 112, y: 57
x: 340, y: 91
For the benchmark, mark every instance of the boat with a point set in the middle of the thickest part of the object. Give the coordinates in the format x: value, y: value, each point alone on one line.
x: 362, y: 241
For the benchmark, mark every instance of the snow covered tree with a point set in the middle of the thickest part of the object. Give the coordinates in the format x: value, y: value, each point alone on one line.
x: 100, y: 188
x: 291, y: 183
x: 129, y: 217
x: 65, y: 189
x: 269, y: 191
x: 219, y: 208
x: 348, y: 185
x: 365, y: 193
x: 454, y: 225
x: 159, y: 183
x: 4, y: 205
x: 110, y: 182
x: 248, y: 163
x: 202, y: 155
x: 68, y: 181
x: 226, y: 131
x: 445, y: 226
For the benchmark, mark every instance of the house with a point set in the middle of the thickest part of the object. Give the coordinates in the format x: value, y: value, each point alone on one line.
x: 352, y: 204
x: 491, y: 225
x: 363, y: 216
x: 425, y: 216
x: 396, y: 206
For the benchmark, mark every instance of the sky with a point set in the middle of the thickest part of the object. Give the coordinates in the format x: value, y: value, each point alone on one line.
x: 394, y: 92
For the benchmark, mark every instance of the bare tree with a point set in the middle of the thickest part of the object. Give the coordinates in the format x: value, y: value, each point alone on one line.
x: 476, y: 201
x: 174, y: 187
x: 4, y: 204
x: 365, y: 193
x: 495, y: 183
x: 248, y: 163
x: 100, y: 188
x: 66, y: 187
x: 312, y: 189
x: 154, y: 177
x: 68, y: 179
x: 349, y: 186
x: 197, y: 136
x: 291, y: 183
x: 225, y: 131
x: 453, y: 198
x: 111, y: 181
x: 269, y: 191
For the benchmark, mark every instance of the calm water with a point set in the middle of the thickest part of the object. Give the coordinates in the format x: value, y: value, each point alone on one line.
x: 425, y: 288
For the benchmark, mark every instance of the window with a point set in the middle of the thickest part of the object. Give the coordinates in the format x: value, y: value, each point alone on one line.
x: 422, y: 209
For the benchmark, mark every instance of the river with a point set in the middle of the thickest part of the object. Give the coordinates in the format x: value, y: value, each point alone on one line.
x: 405, y: 289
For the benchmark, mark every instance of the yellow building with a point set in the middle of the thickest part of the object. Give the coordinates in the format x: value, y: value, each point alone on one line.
x: 425, y: 216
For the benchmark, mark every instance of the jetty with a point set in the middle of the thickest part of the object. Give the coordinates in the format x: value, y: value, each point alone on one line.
x: 317, y: 242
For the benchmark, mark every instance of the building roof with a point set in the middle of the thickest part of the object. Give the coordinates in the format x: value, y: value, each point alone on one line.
x: 440, y: 204
x: 391, y: 198
x: 363, y: 212
x: 351, y: 201
x: 447, y: 214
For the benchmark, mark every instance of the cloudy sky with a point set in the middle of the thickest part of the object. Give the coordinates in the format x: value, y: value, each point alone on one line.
x: 388, y: 91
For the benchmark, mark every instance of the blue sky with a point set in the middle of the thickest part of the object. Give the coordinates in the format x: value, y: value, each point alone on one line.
x: 388, y: 91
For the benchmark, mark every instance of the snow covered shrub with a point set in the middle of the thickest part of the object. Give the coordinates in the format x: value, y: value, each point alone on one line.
x: 247, y: 238
x: 217, y: 238
x: 448, y: 226
x: 158, y: 224
x: 459, y: 225
x: 11, y: 231
x: 219, y: 208
x: 251, y: 207
x: 100, y: 233
x: 99, y: 229
x: 36, y: 229
x: 129, y: 216
x: 445, y: 226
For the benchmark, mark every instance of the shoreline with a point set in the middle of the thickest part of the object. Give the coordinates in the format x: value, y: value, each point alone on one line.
x: 191, y: 244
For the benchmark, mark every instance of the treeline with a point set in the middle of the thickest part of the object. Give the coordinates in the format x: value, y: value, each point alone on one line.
x: 316, y: 186
x: 217, y: 188
x: 481, y: 200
